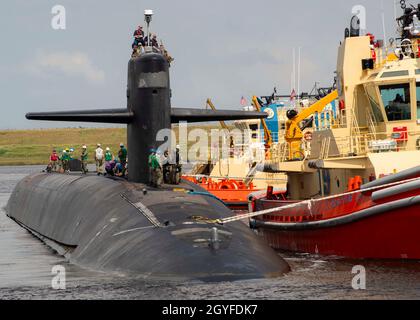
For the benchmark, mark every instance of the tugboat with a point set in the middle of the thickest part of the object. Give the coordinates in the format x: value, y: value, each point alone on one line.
x: 232, y: 179
x: 353, y: 175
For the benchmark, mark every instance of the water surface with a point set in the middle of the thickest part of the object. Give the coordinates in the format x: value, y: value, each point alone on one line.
x: 26, y: 265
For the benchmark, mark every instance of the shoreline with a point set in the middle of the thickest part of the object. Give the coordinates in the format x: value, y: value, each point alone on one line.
x: 34, y: 146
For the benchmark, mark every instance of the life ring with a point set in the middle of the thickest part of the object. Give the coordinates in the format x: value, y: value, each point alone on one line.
x: 227, y: 185
x: 235, y: 184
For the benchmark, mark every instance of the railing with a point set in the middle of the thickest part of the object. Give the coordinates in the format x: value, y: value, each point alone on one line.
x: 371, y: 122
x: 280, y: 152
x: 407, y: 48
x: 368, y: 143
x: 327, y: 120
x: 145, y: 49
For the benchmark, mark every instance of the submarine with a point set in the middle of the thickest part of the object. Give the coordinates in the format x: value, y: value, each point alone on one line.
x: 124, y: 226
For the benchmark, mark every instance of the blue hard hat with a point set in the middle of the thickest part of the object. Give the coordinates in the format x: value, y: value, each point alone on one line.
x: 152, y: 150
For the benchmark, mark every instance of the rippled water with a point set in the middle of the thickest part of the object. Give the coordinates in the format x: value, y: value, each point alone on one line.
x: 26, y: 263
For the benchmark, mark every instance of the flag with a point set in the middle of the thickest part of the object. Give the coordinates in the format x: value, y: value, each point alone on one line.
x: 244, y: 103
x: 293, y: 95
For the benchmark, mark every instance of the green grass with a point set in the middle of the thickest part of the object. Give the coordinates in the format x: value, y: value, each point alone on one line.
x: 30, y: 147
x: 23, y: 147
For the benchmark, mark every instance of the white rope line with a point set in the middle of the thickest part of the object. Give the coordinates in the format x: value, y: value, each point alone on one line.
x: 308, y: 202
x: 235, y: 178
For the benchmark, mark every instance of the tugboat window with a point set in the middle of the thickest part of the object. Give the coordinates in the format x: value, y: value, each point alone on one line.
x: 396, y: 99
x: 373, y: 99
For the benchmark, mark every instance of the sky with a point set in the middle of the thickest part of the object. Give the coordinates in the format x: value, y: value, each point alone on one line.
x: 223, y: 50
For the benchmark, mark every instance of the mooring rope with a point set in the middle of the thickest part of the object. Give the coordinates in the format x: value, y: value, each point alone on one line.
x: 309, y: 203
x: 200, y: 176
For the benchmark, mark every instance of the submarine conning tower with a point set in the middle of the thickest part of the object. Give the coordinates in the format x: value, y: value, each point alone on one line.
x: 148, y: 99
x: 148, y: 111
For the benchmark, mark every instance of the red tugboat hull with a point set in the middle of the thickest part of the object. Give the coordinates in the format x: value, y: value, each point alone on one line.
x: 382, y: 223
x: 391, y: 235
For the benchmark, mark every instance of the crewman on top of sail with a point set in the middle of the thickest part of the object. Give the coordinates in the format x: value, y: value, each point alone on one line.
x: 154, y: 41
x: 138, y: 42
x: 138, y: 32
x: 135, y: 52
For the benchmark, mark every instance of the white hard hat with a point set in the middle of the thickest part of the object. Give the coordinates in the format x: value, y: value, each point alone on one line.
x: 107, y: 149
x: 98, y: 144
x: 121, y: 144
x: 178, y: 147
x: 84, y: 147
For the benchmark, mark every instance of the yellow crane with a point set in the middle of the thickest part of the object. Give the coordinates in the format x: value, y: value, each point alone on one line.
x: 211, y: 105
x: 294, y: 133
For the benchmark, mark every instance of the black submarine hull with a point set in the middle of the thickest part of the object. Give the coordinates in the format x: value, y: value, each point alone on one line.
x: 111, y: 225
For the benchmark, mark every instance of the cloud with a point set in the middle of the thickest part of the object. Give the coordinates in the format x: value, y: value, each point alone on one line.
x: 69, y: 63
